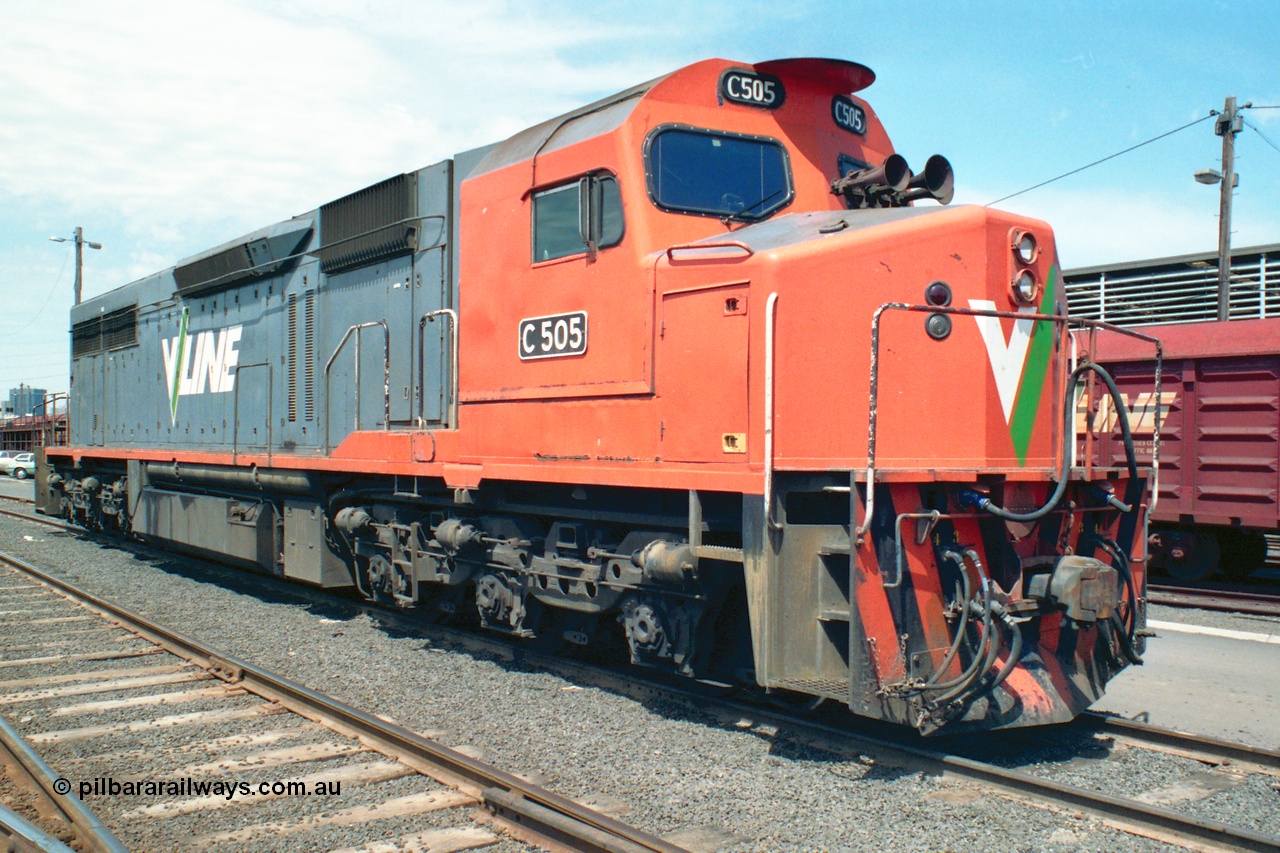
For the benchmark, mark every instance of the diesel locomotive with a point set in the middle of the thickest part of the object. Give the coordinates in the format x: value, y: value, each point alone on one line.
x: 701, y: 372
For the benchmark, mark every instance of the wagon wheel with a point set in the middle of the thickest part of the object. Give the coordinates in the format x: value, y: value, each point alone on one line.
x: 1185, y: 554
x: 1242, y: 553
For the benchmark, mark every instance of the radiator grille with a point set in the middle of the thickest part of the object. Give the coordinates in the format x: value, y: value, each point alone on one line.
x: 116, y: 330
x: 370, y: 224
x: 214, y: 272
x: 309, y: 355
x: 293, y: 357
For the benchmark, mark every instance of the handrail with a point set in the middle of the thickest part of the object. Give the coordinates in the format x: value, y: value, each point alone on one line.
x: 718, y: 244
x: 386, y: 376
x: 429, y: 317
x: 1063, y: 319
x: 770, y: 310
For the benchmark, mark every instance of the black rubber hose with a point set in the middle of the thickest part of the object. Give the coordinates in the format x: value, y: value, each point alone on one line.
x: 966, y: 678
x: 967, y: 590
x: 988, y: 648
x: 1106, y: 643
x: 1015, y: 653
x: 1126, y: 644
x: 1125, y: 633
x: 1068, y: 435
x: 1122, y: 564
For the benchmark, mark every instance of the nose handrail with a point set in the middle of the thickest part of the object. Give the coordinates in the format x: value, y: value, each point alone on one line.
x: 1058, y: 319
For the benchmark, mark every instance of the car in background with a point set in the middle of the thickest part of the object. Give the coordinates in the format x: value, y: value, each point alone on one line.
x: 19, y: 465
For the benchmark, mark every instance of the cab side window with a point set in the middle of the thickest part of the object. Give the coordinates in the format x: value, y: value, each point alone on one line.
x: 577, y: 218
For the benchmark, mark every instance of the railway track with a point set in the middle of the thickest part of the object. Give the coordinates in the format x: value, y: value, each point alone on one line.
x: 1252, y: 602
x: 227, y: 721
x: 947, y: 757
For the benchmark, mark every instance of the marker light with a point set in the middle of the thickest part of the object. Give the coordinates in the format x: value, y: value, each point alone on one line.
x: 938, y: 294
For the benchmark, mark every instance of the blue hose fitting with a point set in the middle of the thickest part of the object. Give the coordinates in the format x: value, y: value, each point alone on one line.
x: 969, y: 499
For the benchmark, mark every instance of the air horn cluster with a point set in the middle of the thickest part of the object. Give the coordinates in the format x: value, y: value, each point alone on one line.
x: 891, y: 184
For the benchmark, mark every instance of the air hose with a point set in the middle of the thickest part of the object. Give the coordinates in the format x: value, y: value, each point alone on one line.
x: 966, y: 678
x: 966, y: 591
x: 984, y: 503
x: 988, y: 645
x: 1124, y: 633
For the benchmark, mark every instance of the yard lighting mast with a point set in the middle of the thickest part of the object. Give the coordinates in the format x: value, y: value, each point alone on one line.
x: 1229, y: 123
x: 80, y: 242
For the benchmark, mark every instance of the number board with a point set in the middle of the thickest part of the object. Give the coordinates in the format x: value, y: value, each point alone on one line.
x: 553, y: 336
x: 752, y: 89
x: 848, y: 115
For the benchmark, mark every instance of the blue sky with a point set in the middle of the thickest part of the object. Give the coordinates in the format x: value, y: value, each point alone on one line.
x: 164, y: 128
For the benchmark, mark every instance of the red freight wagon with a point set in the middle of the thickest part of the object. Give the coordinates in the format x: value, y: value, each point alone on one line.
x: 1219, y: 402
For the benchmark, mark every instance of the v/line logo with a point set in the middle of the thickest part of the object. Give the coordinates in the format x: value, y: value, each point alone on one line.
x: 1019, y: 364
x: 194, y: 363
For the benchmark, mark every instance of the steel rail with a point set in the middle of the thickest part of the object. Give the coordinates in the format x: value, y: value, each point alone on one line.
x: 47, y: 522
x: 1198, y: 746
x: 1128, y: 814
x: 29, y: 770
x: 17, y: 835
x: 530, y: 807
x: 1225, y: 601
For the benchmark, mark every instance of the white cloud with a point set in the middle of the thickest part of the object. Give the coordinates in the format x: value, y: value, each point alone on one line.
x: 167, y: 128
x: 177, y: 115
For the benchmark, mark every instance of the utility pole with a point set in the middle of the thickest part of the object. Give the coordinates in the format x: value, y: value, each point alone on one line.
x: 1227, y: 126
x: 80, y: 242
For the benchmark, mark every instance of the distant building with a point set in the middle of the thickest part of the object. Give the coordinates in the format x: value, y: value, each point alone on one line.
x: 25, y: 400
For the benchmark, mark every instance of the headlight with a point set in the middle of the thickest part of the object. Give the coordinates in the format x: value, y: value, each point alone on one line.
x: 1025, y: 288
x: 1025, y: 246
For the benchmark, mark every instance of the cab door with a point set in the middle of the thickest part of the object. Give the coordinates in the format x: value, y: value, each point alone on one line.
x: 569, y: 309
x: 702, y: 373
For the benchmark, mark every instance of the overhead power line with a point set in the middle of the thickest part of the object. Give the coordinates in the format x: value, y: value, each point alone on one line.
x: 1103, y: 160
x: 1258, y: 131
x: 56, y: 285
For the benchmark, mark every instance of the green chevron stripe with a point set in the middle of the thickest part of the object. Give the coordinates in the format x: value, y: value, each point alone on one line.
x: 1034, y: 374
x: 177, y: 370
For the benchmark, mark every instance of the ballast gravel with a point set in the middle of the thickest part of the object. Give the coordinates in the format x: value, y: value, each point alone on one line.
x: 664, y: 768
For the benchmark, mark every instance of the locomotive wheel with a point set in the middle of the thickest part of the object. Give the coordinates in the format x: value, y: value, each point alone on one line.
x: 1185, y: 554
x: 1242, y: 553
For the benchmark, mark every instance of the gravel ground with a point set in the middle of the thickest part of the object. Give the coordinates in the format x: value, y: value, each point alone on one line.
x: 751, y: 789
x: 170, y: 755
x: 1215, y: 619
